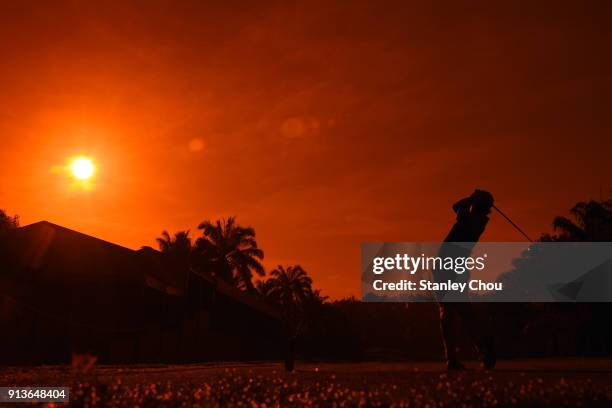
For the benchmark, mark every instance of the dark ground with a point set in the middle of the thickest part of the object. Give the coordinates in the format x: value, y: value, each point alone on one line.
x: 562, y: 382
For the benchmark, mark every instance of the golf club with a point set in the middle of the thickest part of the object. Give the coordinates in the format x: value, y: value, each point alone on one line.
x: 513, y: 224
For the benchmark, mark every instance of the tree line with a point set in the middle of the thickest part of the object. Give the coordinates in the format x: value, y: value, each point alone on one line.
x: 229, y: 251
x: 350, y: 329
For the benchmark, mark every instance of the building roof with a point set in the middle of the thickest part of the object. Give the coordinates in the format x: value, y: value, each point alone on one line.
x: 90, y: 264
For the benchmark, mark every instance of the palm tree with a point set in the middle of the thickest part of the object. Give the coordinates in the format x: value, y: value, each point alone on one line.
x: 592, y: 221
x: 8, y: 222
x: 180, y: 245
x: 289, y: 287
x: 230, y: 252
x: 262, y: 287
x: 177, y: 251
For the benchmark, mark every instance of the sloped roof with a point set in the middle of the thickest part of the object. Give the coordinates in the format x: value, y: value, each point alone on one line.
x: 92, y: 262
x: 70, y: 276
x: 43, y: 243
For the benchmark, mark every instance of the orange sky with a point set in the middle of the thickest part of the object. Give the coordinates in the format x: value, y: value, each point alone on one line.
x: 321, y: 125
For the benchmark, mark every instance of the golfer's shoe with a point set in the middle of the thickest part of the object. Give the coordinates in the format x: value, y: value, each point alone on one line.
x: 489, y: 361
x: 454, y: 365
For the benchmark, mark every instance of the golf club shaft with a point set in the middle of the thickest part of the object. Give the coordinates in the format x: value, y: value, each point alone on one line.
x: 513, y: 224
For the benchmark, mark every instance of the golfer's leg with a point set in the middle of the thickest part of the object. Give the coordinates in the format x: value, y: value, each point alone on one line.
x: 447, y: 320
x: 478, y: 329
x: 472, y: 324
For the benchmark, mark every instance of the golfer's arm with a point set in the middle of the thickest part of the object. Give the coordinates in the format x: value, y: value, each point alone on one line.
x: 462, y: 207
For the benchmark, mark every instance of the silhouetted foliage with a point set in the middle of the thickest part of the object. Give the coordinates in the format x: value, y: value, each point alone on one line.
x: 230, y: 252
x: 562, y: 328
x: 177, y: 250
x: 8, y: 222
x: 352, y: 329
x: 289, y: 287
x: 591, y: 221
x: 180, y: 244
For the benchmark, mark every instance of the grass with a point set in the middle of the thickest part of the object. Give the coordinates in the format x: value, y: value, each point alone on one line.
x: 575, y: 382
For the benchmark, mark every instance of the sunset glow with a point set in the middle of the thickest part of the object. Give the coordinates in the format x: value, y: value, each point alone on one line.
x: 306, y: 203
x: 139, y: 122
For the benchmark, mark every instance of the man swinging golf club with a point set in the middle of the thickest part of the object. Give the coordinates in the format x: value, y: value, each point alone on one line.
x: 472, y: 218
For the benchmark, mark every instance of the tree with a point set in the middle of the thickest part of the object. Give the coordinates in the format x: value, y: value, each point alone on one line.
x: 180, y: 244
x: 8, y: 222
x: 178, y: 249
x: 590, y: 221
x: 317, y: 298
x: 289, y: 287
x: 230, y: 252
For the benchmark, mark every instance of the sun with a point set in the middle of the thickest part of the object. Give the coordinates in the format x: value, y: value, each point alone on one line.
x: 82, y: 168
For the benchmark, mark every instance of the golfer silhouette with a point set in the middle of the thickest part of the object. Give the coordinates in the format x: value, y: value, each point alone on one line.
x: 472, y: 218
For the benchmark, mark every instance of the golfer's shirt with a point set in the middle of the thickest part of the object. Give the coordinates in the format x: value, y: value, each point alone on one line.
x: 468, y: 229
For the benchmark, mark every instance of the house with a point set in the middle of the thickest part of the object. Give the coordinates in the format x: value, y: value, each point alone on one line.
x: 62, y: 291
